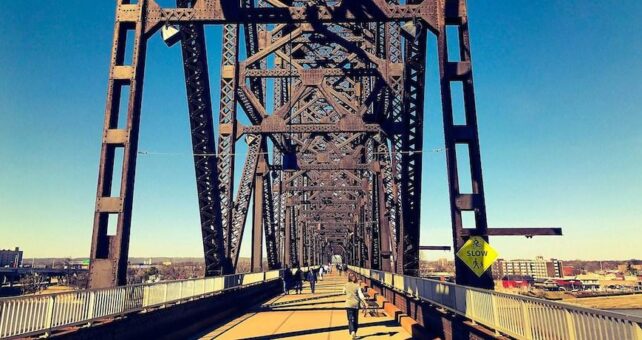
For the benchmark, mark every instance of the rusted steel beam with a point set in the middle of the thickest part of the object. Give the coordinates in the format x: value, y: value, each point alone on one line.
x: 445, y: 248
x: 528, y: 232
x: 222, y: 12
x: 327, y: 72
x: 310, y: 128
x: 323, y: 188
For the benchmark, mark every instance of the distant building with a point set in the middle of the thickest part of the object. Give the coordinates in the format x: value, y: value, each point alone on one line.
x: 517, y: 281
x: 79, y: 264
x: 569, y: 271
x: 11, y: 258
x: 535, y: 268
x: 589, y: 281
x: 624, y: 268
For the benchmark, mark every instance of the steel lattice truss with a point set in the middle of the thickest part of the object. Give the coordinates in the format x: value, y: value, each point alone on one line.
x: 334, y: 93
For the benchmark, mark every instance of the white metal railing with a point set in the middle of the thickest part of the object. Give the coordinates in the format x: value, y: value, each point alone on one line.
x: 517, y: 316
x: 37, y: 314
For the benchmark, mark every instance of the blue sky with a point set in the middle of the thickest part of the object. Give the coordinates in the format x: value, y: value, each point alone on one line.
x: 559, y: 105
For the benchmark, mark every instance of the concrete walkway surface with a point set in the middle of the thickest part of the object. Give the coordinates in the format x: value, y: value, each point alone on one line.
x: 307, y: 316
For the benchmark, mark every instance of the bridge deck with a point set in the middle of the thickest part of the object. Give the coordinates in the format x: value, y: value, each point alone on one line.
x: 307, y: 316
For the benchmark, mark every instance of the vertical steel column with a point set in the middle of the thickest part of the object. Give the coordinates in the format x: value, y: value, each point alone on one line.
x: 203, y: 142
x: 294, y: 234
x: 270, y: 228
x: 244, y: 195
x: 375, y: 240
x: 396, y: 115
x: 411, y: 156
x: 287, y: 241
x: 227, y: 135
x: 300, y: 239
x: 363, y: 249
x: 109, y: 253
x: 467, y: 134
x: 385, y: 238
x: 257, y: 225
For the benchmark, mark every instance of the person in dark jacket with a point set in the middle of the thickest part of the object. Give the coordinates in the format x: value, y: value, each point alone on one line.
x: 287, y: 280
x: 312, y: 278
x: 298, y: 280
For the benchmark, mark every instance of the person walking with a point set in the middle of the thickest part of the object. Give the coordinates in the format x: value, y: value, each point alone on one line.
x: 321, y: 273
x: 298, y: 280
x: 312, y: 278
x: 287, y: 280
x: 354, y: 296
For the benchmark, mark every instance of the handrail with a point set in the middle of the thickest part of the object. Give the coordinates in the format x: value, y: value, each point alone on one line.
x: 38, y: 314
x: 518, y: 316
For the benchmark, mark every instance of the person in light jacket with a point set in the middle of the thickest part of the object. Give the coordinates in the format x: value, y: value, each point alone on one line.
x: 354, y: 296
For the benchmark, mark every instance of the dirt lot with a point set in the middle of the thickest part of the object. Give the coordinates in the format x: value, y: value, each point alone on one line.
x: 610, y: 302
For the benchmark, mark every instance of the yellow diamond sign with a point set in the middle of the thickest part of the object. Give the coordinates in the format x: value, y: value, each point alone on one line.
x: 477, y: 254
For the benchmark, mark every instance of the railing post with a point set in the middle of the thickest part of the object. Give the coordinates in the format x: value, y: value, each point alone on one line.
x: 470, y: 301
x: 92, y: 303
x: 165, y: 295
x: 495, y: 316
x: 570, y: 325
x: 180, y: 292
x: 49, y: 316
x: 145, y: 298
x: 2, y: 315
x: 527, y: 320
x: 123, y: 305
x: 637, y: 331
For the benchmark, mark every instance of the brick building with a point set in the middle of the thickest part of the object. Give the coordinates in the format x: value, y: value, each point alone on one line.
x: 539, y: 267
x: 11, y: 258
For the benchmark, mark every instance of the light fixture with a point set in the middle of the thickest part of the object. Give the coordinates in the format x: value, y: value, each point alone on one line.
x: 171, y: 34
x: 290, y: 161
x: 410, y: 28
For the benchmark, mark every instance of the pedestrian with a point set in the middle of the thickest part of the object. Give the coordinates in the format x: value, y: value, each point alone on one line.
x: 312, y: 278
x: 298, y: 280
x: 321, y: 273
x: 354, y: 297
x: 339, y: 269
x: 287, y: 280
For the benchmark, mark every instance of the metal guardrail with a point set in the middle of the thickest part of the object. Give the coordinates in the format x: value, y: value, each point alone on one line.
x: 38, y: 314
x: 517, y: 316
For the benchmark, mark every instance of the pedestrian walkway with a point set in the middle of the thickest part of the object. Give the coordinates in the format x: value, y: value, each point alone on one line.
x: 307, y: 316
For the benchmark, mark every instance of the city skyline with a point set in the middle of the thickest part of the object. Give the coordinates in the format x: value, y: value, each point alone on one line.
x: 558, y: 122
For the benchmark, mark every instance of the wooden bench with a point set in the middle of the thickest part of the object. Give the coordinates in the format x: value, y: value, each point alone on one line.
x: 369, y: 305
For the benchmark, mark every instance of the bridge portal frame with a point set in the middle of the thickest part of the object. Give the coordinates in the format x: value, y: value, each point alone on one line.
x: 386, y: 225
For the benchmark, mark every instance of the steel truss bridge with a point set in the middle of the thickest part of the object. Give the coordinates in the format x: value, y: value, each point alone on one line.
x: 334, y: 93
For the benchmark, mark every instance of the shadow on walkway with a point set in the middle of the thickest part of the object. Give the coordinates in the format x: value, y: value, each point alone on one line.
x: 388, y: 323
